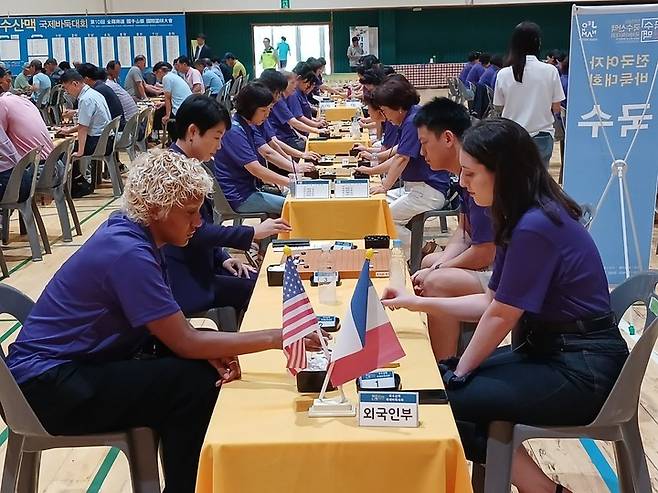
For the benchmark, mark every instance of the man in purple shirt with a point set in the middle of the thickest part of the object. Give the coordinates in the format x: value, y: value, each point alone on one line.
x: 489, y: 75
x: 472, y: 60
x: 106, y: 347
x: 463, y: 267
x: 478, y: 69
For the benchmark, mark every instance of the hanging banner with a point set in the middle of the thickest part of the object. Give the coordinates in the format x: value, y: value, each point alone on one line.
x: 611, y: 131
x: 92, y: 38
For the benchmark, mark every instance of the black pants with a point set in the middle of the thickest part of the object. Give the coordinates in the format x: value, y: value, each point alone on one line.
x: 173, y: 396
x: 26, y: 183
x: 562, y: 383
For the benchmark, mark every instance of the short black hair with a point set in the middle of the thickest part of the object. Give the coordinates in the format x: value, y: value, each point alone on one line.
x: 372, y: 76
x: 101, y: 74
x: 251, y: 97
x: 368, y: 100
x: 50, y: 61
x: 112, y: 64
x: 88, y: 70
x: 64, y: 65
x: 203, y: 112
x: 267, y: 39
x: 355, y: 38
x: 70, y: 75
x: 485, y: 58
x: 139, y: 58
x: 229, y: 56
x: 497, y: 60
x: 36, y: 64
x: 396, y: 92
x: 274, y: 80
x: 442, y: 114
x: 201, y: 36
x: 283, y: 38
x: 368, y: 61
x: 304, y: 71
x: 184, y: 59
x: 473, y: 55
x: 160, y: 65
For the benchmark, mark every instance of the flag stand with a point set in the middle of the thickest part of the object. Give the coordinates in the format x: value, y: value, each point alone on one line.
x: 334, y: 407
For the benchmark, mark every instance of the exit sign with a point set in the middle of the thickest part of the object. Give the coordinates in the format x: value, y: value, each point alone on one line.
x: 285, y: 4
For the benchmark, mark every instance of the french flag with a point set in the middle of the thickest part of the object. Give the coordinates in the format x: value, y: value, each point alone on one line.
x: 367, y: 340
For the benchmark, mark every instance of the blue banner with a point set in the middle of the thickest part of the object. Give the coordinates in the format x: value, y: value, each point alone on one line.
x: 611, y: 131
x: 95, y: 39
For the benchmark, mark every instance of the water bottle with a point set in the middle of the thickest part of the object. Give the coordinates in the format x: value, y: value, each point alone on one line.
x: 355, y: 130
x: 374, y: 160
x: 326, y: 278
x: 398, y: 267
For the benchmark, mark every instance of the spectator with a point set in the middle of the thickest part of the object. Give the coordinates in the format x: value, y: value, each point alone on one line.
x: 41, y: 83
x: 191, y: 75
x: 354, y: 53
x: 202, y: 50
x: 22, y: 81
x: 269, y: 57
x: 283, y: 48
x: 236, y: 66
x: 53, y: 71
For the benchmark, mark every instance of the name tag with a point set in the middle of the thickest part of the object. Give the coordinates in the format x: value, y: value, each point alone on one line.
x: 393, y: 409
x: 377, y: 380
x: 325, y: 277
x: 357, y: 188
x: 353, y: 104
x: 311, y: 189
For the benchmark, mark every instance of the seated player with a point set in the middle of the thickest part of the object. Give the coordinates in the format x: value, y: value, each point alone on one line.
x: 388, y: 147
x: 237, y: 167
x: 298, y: 100
x: 202, y: 274
x: 106, y: 347
x: 462, y: 268
x: 548, y: 285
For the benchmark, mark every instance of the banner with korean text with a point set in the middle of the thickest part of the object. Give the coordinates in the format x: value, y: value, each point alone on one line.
x: 95, y: 39
x: 611, y: 157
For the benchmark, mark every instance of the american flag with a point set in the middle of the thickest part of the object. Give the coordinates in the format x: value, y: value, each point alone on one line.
x: 299, y: 319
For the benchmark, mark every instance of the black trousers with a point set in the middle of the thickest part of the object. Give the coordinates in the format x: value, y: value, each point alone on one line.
x: 565, y: 383
x: 173, y: 396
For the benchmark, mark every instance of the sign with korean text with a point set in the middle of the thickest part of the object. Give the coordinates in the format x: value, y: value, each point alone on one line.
x: 95, y: 39
x: 311, y: 189
x: 611, y: 118
x: 394, y: 409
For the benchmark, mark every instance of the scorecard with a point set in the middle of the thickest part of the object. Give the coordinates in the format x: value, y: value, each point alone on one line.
x: 347, y: 262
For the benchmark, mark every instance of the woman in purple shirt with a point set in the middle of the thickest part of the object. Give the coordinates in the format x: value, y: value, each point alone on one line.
x: 548, y: 289
x: 298, y: 100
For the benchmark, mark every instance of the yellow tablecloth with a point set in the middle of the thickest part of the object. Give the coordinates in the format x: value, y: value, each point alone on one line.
x: 336, y: 146
x: 338, y: 219
x: 259, y: 441
x: 339, y: 113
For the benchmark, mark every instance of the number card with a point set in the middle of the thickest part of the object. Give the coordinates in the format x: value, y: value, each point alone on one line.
x: 377, y: 380
x: 350, y: 189
x: 393, y: 409
x: 311, y: 189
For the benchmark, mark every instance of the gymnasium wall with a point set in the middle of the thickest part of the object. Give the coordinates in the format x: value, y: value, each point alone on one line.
x: 405, y: 36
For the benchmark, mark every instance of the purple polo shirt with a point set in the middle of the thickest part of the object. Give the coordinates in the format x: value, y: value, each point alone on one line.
x: 463, y: 75
x: 238, y: 149
x: 477, y: 220
x: 97, y: 304
x: 279, y: 118
x: 475, y: 73
x: 564, y: 80
x: 299, y: 105
x: 263, y: 133
x: 487, y: 77
x: 390, y: 134
x: 417, y: 168
x: 551, y: 269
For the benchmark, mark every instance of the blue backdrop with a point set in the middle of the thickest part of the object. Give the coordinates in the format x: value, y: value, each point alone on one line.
x: 93, y: 38
x: 610, y: 116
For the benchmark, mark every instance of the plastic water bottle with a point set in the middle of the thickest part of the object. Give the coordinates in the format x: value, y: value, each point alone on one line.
x: 397, y: 270
x: 327, y: 278
x: 355, y: 130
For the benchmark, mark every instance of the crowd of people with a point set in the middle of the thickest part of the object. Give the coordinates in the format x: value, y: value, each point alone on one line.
x: 519, y: 260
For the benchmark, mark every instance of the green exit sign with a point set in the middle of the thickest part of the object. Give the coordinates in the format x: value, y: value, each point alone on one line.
x: 285, y: 4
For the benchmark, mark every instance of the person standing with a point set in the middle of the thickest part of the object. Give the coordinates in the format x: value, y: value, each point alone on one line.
x: 52, y: 70
x: 22, y: 80
x: 41, y: 83
x: 529, y: 90
x: 269, y: 57
x: 202, y: 50
x: 354, y: 53
x: 283, y: 48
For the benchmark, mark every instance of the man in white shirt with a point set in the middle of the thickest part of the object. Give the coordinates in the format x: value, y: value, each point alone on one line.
x: 192, y: 76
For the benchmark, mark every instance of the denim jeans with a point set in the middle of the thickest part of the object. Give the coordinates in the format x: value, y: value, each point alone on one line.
x: 544, y: 142
x: 558, y: 383
x: 262, y: 202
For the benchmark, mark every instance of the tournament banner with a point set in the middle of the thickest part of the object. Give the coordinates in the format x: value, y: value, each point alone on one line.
x: 611, y: 156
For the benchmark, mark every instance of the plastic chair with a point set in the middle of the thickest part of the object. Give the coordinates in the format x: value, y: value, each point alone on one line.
x: 617, y: 420
x: 417, y: 227
x: 28, y: 438
x: 145, y: 121
x: 126, y: 140
x: 102, y: 155
x: 28, y: 208
x: 61, y: 192
x: 42, y: 103
x: 54, y: 107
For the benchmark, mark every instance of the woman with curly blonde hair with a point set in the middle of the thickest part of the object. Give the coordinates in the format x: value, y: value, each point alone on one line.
x: 106, y: 347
